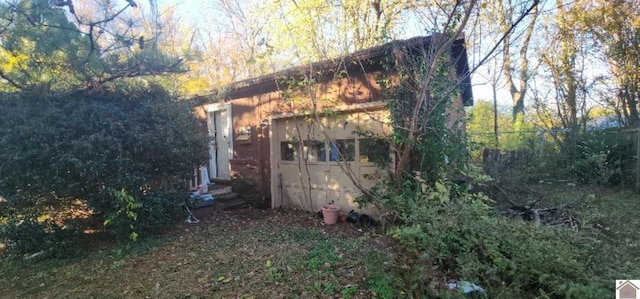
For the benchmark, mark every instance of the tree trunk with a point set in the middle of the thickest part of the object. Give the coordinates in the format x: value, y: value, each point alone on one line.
x: 518, y: 93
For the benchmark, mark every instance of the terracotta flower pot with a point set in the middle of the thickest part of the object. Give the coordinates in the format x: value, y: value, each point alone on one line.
x: 330, y: 213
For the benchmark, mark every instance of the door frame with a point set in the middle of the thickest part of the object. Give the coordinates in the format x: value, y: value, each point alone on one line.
x: 212, y: 108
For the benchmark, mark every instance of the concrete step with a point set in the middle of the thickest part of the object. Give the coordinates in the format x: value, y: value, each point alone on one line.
x: 225, y: 201
x: 203, y: 203
x: 225, y: 197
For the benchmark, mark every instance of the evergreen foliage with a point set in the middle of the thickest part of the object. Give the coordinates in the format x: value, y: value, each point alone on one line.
x: 126, y: 151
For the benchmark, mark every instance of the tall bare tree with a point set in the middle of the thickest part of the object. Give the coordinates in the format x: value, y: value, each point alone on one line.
x: 616, y: 26
x: 507, y: 13
x: 565, y: 62
x: 311, y: 30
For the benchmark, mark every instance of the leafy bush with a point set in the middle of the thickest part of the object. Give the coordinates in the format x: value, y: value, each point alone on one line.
x: 446, y: 233
x: 28, y: 235
x: 24, y: 236
x: 503, y: 255
x: 133, y: 139
x: 604, y: 158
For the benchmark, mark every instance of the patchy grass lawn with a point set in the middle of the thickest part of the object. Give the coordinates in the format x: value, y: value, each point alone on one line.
x: 229, y: 254
x: 251, y: 253
x: 608, y: 217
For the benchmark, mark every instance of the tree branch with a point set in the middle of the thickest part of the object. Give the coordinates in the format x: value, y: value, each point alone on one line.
x: 13, y: 83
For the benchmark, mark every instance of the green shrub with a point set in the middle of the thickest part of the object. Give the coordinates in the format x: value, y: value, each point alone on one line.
x: 505, y: 256
x: 122, y: 220
x: 604, y: 158
x: 24, y: 236
x: 445, y: 233
x: 160, y: 209
x: 29, y: 236
x: 134, y: 139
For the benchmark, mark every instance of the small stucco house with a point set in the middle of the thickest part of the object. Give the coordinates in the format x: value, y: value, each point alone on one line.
x: 293, y: 132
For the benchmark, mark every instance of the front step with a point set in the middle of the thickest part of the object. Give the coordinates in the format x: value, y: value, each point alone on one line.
x: 219, y: 190
x: 223, y: 196
x: 224, y: 202
x: 224, y: 199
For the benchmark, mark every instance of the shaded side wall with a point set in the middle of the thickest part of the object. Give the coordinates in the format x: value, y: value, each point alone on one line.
x: 250, y: 130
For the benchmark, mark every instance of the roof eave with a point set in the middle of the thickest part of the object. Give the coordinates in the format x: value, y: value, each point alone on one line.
x: 360, y: 62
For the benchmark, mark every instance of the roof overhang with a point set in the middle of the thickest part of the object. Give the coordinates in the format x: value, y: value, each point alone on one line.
x: 365, y: 61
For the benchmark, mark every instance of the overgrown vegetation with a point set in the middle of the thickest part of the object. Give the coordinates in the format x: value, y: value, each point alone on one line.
x: 270, y: 254
x: 602, y: 157
x: 462, y: 238
x: 124, y: 153
x: 445, y: 232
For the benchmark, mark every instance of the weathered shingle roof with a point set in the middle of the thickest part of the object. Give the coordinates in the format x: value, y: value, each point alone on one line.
x: 368, y: 60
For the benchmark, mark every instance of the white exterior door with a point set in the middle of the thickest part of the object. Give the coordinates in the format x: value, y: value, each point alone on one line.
x: 219, y: 125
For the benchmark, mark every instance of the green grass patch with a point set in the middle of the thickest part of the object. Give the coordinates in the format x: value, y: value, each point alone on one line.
x: 380, y: 281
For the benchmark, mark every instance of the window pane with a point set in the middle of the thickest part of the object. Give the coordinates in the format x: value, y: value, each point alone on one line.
x: 287, y: 151
x: 314, y: 151
x: 343, y: 150
x: 374, y: 150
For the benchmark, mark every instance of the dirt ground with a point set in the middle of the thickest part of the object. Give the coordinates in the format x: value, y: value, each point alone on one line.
x: 237, y: 253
